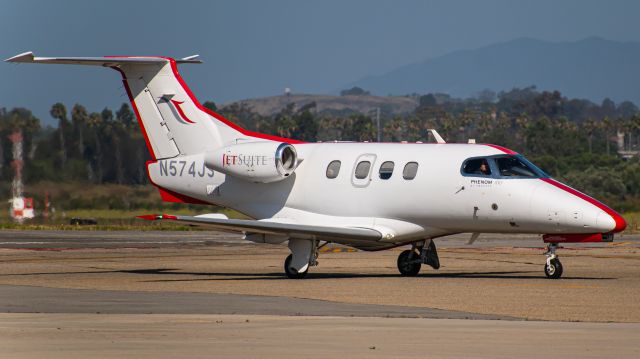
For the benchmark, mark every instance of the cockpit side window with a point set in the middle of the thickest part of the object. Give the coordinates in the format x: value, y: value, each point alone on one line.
x: 512, y: 166
x: 477, y: 167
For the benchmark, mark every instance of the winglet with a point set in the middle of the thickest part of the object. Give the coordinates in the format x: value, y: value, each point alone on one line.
x: 23, y: 57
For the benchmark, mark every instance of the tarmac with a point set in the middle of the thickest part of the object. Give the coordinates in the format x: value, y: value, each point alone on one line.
x: 166, y: 294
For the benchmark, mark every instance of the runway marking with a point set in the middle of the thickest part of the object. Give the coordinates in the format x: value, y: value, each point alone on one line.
x: 622, y: 244
x: 337, y: 250
x: 545, y: 285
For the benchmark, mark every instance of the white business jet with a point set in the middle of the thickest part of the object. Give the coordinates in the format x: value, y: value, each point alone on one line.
x: 371, y: 196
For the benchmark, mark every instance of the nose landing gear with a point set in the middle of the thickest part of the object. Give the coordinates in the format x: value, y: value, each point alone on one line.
x: 553, y: 267
x: 411, y: 260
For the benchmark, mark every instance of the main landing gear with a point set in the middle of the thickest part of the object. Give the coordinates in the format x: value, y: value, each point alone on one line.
x: 410, y: 261
x: 304, y: 254
x: 553, y: 267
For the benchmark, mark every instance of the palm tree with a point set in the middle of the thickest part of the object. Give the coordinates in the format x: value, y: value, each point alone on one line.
x: 59, y: 112
x: 95, y: 126
x: 590, y: 126
x: 79, y: 119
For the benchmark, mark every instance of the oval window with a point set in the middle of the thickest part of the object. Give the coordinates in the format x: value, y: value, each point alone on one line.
x: 362, y: 169
x: 386, y: 170
x: 333, y: 169
x: 410, y: 170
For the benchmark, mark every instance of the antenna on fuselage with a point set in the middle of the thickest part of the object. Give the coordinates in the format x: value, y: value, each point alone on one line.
x: 437, y: 136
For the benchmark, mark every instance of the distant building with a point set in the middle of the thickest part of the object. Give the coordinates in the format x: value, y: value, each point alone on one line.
x: 625, y: 153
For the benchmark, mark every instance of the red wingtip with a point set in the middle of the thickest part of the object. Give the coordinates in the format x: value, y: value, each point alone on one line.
x: 153, y: 217
x: 149, y: 217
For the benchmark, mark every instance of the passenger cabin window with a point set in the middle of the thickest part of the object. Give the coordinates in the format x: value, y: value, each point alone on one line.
x: 410, y: 170
x: 362, y: 169
x: 333, y: 169
x: 386, y: 170
x: 514, y: 167
x: 478, y: 167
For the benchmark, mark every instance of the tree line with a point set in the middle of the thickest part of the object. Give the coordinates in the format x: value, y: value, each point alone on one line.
x: 103, y: 147
x: 573, y: 139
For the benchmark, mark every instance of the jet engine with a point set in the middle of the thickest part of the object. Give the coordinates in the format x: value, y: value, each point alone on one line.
x: 262, y: 162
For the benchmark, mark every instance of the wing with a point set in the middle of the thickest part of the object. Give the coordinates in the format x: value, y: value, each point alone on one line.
x: 364, y: 238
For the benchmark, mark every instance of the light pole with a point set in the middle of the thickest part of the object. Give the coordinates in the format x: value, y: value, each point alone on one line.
x: 378, y: 124
x: 379, y: 132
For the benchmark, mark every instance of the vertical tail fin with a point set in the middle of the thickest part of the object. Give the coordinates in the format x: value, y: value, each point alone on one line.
x: 172, y: 120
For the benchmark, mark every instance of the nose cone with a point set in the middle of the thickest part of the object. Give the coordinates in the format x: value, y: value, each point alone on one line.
x: 610, y: 222
x: 607, y: 220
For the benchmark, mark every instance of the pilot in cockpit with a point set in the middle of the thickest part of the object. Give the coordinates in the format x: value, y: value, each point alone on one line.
x: 484, y: 168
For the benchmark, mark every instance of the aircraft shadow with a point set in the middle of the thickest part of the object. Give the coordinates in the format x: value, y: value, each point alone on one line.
x: 226, y: 276
x: 311, y: 276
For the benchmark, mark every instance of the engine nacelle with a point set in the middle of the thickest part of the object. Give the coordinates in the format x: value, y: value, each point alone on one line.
x: 262, y: 162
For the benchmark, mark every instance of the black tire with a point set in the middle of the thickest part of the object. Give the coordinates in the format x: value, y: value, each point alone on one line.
x: 408, y: 264
x: 554, y: 270
x: 292, y: 274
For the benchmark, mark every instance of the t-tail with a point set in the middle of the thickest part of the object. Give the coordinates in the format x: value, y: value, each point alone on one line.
x: 171, y: 118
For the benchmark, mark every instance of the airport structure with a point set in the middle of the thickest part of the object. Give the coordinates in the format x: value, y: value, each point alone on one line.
x: 20, y: 207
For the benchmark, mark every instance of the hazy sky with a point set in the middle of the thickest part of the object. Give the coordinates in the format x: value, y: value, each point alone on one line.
x: 257, y: 48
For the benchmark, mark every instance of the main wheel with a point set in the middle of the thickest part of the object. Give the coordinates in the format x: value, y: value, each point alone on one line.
x: 408, y: 263
x: 292, y: 273
x: 554, y: 269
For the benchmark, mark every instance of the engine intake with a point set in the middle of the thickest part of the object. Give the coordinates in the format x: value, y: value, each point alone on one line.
x: 262, y: 162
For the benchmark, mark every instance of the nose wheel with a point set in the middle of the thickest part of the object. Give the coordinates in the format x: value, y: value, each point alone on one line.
x: 553, y: 267
x: 409, y: 263
x: 411, y: 260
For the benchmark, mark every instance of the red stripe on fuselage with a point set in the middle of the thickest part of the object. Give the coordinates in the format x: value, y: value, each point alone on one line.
x: 572, y: 238
x: 621, y: 224
x: 503, y: 149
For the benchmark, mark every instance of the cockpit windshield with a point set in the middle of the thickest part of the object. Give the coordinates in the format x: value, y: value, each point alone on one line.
x: 513, y: 167
x: 501, y: 166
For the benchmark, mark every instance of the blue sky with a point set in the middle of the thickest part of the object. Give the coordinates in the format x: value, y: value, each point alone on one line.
x: 257, y: 48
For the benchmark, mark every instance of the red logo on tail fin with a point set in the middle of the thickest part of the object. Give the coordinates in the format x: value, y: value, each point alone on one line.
x: 180, y: 111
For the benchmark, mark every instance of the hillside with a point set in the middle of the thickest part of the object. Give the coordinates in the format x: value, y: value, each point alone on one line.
x: 389, y: 105
x: 593, y: 68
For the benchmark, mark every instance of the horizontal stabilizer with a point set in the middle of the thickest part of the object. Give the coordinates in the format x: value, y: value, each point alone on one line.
x: 108, y: 61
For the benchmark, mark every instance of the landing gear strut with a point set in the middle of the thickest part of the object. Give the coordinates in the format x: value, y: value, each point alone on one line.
x: 410, y: 261
x: 553, y: 267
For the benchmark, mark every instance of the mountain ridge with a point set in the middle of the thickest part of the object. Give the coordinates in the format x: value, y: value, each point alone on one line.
x: 592, y: 68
